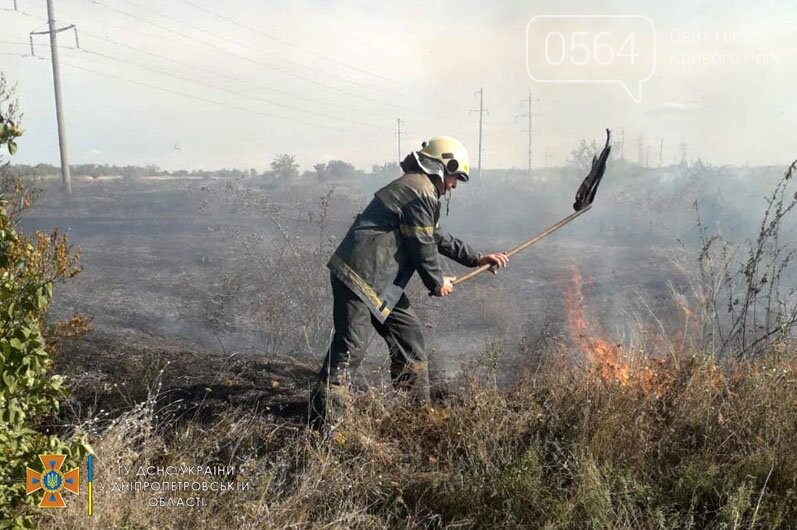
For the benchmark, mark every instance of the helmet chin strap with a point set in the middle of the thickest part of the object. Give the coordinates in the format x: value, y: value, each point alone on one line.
x: 448, y: 201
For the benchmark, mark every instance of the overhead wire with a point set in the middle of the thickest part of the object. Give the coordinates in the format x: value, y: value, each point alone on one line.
x: 233, y: 92
x: 178, y: 92
x: 254, y: 61
x: 181, y: 35
x: 194, y: 96
x: 225, y: 76
x: 20, y: 12
x: 193, y: 80
x: 35, y: 44
x: 233, y: 41
x: 223, y: 50
x: 171, y: 31
x: 287, y: 43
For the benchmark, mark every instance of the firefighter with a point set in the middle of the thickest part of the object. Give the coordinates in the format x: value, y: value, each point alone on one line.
x: 396, y: 235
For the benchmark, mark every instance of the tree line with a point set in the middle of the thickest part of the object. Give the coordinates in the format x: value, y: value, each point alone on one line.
x: 282, y: 167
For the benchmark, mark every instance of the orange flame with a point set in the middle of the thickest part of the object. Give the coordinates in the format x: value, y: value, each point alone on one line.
x: 604, y: 356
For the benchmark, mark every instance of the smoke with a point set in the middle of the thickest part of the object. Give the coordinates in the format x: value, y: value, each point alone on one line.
x: 157, y: 254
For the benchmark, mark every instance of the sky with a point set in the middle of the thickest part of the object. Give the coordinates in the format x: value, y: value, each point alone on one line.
x: 198, y: 84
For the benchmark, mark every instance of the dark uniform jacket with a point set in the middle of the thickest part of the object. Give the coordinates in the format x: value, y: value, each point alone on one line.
x: 396, y: 235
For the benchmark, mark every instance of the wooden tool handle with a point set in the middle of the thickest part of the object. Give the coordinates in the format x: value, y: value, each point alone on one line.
x: 551, y: 229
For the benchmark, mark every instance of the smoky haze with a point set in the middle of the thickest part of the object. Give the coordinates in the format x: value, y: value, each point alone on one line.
x: 635, y: 365
x: 194, y: 85
x: 235, y: 260
x: 237, y: 264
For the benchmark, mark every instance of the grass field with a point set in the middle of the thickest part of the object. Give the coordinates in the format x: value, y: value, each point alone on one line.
x: 684, y: 443
x: 575, y: 388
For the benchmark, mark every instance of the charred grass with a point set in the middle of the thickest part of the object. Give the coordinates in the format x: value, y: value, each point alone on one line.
x: 687, y: 441
x: 699, y: 446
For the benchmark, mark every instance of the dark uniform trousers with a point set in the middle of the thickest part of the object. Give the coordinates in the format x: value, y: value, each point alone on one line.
x: 353, y: 323
x: 395, y: 236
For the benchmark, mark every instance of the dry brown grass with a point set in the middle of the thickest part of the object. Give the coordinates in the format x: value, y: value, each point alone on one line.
x: 709, y: 447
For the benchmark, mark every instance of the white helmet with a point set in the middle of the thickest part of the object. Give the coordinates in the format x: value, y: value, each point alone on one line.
x: 451, y: 154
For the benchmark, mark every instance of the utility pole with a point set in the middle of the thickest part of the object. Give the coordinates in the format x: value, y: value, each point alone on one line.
x: 481, y: 110
x: 398, y: 137
x: 684, y: 151
x: 661, y: 153
x: 59, y: 113
x: 641, y: 150
x: 528, y: 115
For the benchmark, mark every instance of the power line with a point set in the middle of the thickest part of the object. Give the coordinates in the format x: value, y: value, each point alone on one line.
x: 398, y: 137
x: 222, y: 89
x: 641, y: 150
x: 286, y: 43
x: 201, y: 98
x: 684, y: 149
x: 36, y: 44
x: 661, y: 153
x: 528, y: 115
x: 174, y: 75
x: 52, y: 32
x: 232, y: 41
x: 180, y: 93
x: 193, y: 96
x: 481, y: 110
x: 269, y: 36
x: 20, y: 12
x: 249, y: 59
x: 204, y: 83
x: 225, y: 76
x: 59, y: 114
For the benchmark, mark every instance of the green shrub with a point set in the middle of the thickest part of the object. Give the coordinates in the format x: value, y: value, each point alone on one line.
x: 28, y: 392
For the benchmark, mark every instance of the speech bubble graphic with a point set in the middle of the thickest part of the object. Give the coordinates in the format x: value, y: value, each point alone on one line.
x: 592, y: 49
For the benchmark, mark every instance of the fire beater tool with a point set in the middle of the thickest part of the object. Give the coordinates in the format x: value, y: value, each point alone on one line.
x: 584, y: 198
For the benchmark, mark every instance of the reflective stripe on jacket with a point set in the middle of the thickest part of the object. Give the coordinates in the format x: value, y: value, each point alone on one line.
x: 395, y: 236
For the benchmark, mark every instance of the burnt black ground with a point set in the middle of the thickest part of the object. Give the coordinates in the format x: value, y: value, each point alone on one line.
x: 151, y: 249
x: 112, y: 375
